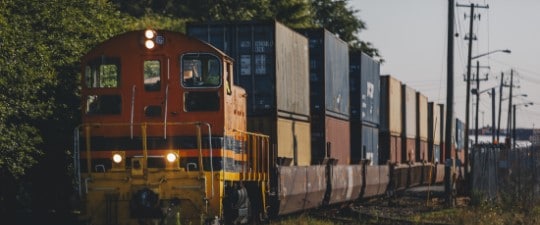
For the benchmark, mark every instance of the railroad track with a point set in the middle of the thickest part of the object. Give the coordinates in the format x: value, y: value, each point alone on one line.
x: 398, y: 210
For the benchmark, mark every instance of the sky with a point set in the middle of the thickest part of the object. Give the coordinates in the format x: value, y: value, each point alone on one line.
x: 411, y: 36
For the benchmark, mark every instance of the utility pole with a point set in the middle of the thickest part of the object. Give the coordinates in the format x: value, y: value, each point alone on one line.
x: 500, y: 103
x: 477, y: 99
x: 449, y: 101
x: 509, y: 121
x: 467, y: 102
x: 493, y: 115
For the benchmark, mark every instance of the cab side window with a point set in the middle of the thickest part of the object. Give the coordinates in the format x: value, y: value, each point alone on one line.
x: 103, y: 72
x: 201, y: 70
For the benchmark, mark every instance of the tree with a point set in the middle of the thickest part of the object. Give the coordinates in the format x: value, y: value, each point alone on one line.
x: 335, y: 16
x: 293, y: 13
x: 41, y: 43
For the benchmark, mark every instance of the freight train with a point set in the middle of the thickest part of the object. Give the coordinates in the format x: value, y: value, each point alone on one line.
x: 235, y: 123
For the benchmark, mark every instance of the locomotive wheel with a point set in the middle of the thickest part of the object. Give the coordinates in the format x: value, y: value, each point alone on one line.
x: 237, y: 206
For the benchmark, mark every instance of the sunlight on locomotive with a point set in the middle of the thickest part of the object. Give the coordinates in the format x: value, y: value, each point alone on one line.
x: 171, y: 157
x: 117, y: 158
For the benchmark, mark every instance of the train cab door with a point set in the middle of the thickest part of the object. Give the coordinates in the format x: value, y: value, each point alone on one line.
x: 155, y: 89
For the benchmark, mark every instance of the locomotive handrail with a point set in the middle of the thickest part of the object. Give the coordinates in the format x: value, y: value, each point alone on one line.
x: 165, y: 114
x: 132, y: 109
x: 256, y: 141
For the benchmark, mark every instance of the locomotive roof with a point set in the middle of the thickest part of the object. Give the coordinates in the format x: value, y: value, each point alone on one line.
x: 166, y: 33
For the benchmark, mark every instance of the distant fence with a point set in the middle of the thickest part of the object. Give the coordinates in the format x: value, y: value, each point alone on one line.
x: 505, y: 175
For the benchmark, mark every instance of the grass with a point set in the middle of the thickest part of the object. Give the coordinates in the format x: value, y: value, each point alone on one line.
x: 480, y: 215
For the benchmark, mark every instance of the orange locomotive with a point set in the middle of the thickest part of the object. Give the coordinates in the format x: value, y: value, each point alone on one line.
x: 164, y: 135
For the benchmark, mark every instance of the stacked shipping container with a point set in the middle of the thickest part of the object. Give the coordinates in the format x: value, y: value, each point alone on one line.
x: 434, y: 132
x: 390, y: 121
x: 329, y: 96
x: 409, y: 124
x: 422, y: 128
x: 274, y: 69
x: 365, y: 98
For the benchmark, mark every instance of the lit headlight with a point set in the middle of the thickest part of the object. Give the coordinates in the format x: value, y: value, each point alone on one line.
x: 171, y: 157
x: 149, y: 34
x: 149, y: 44
x: 117, y: 158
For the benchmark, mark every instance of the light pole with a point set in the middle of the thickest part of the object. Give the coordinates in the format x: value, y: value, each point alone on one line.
x: 467, y: 101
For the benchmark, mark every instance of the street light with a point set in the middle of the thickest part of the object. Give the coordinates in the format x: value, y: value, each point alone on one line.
x: 521, y: 95
x: 499, y: 50
x: 467, y: 120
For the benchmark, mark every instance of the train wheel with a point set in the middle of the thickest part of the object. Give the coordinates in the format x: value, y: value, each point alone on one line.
x: 237, y: 205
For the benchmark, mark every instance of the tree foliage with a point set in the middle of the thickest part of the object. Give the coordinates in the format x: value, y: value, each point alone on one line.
x: 41, y: 43
x: 338, y: 18
x: 334, y: 15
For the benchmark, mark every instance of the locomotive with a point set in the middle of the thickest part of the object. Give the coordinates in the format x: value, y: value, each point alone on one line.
x: 181, y: 129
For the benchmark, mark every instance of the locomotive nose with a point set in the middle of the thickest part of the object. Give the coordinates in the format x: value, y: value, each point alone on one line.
x: 145, y: 204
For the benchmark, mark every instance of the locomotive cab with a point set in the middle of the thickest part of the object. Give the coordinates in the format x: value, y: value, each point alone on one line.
x: 164, y: 132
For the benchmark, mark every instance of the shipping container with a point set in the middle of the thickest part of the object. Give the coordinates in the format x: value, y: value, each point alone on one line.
x: 329, y: 73
x: 434, y: 132
x: 422, y: 127
x: 271, y: 60
x: 331, y: 142
x: 291, y: 137
x: 409, y: 111
x: 390, y: 117
x: 364, y: 143
x: 364, y: 84
x: 390, y: 150
x: 442, y: 156
x: 408, y: 120
x: 422, y: 116
x: 423, y: 151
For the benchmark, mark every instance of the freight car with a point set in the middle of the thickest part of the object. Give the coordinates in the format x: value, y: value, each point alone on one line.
x: 176, y: 131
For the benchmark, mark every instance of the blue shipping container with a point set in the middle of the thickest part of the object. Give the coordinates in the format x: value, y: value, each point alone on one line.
x: 364, y: 87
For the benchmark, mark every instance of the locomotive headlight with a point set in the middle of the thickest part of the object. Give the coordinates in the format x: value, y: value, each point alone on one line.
x: 149, y: 34
x: 173, y: 162
x: 149, y: 44
x: 171, y: 157
x: 117, y: 158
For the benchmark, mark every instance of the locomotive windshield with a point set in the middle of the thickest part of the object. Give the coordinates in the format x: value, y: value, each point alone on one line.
x: 201, y: 70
